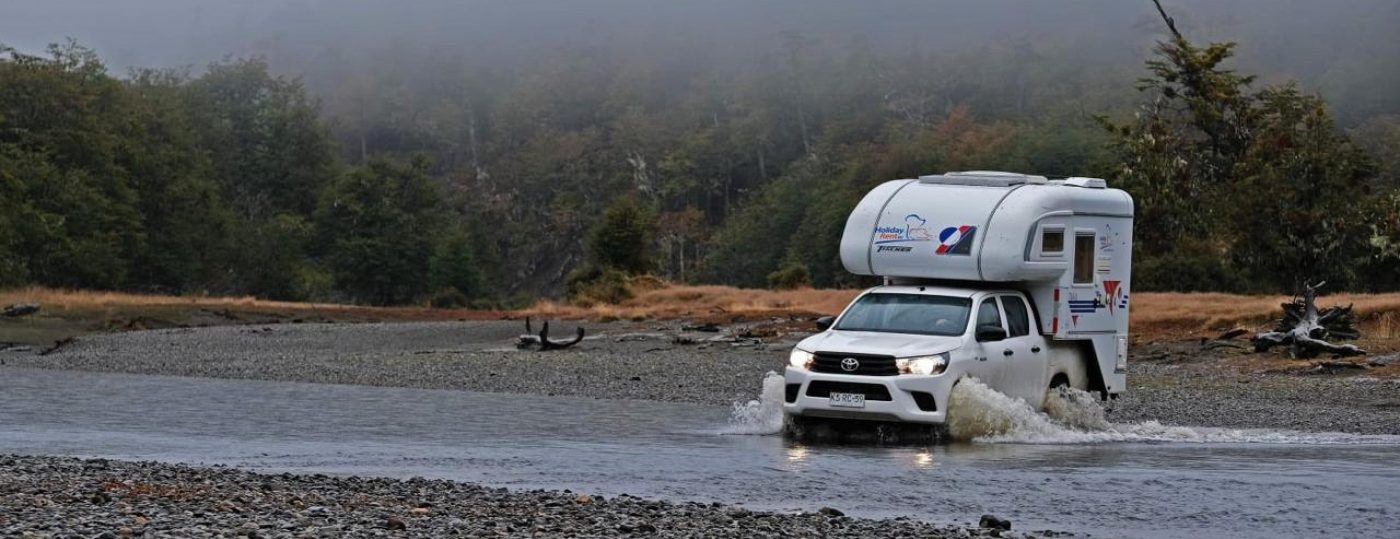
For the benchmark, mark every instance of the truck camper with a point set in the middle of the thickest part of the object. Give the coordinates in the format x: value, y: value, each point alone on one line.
x: 1019, y: 281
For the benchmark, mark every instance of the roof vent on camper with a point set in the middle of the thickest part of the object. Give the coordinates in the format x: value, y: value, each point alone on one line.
x: 1087, y: 183
x: 983, y: 178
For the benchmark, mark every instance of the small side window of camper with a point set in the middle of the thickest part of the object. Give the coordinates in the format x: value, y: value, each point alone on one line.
x: 1052, y: 241
x: 1084, y: 258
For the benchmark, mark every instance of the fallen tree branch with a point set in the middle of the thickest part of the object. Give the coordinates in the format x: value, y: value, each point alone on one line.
x: 20, y: 309
x: 56, y: 345
x: 542, y: 339
x: 1308, y: 331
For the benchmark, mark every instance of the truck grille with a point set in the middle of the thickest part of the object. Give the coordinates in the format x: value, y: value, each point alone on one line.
x: 824, y: 389
x: 869, y: 365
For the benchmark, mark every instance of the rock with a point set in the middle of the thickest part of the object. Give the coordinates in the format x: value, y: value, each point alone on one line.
x: 992, y: 522
x: 420, y: 511
x: 831, y: 512
x: 394, y: 523
x: 1381, y: 361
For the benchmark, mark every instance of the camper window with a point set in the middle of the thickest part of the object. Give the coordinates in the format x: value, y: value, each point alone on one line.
x: 1084, y: 258
x: 1052, y: 241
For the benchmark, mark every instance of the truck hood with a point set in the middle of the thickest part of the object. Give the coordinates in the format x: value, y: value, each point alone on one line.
x: 869, y: 342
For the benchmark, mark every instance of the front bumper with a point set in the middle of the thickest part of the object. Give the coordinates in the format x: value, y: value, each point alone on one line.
x: 903, y: 403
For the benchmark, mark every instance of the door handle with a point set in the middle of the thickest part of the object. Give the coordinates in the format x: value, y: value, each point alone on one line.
x: 1007, y: 352
x: 1035, y: 349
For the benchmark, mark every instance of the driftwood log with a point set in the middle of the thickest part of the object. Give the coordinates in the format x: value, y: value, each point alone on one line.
x: 1308, y: 330
x: 20, y: 309
x: 530, y: 340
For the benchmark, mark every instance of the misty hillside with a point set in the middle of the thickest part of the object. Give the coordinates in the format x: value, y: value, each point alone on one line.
x: 389, y: 152
x: 1328, y: 45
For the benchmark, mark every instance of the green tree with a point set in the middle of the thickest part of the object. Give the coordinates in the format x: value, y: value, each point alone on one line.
x: 1179, y: 154
x: 381, y: 223
x: 270, y: 159
x: 623, y: 238
x: 1298, y: 209
x: 454, y: 265
x: 269, y: 149
x: 61, y: 138
x: 1237, y: 188
x: 187, y: 224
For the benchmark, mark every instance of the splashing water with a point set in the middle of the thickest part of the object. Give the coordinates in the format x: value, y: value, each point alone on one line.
x: 978, y: 413
x: 761, y: 416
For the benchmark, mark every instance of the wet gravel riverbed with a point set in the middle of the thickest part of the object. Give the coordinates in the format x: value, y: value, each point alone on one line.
x: 643, y: 361
x: 64, y: 497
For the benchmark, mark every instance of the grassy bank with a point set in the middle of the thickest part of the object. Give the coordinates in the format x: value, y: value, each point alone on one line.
x: 1155, y: 316
x: 68, y: 313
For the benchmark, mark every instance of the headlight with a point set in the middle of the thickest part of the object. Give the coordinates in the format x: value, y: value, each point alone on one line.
x: 925, y: 365
x: 801, y: 359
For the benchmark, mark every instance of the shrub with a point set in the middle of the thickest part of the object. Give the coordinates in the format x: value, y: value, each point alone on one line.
x: 448, y: 298
x: 622, y: 240
x: 592, y: 286
x: 790, y: 276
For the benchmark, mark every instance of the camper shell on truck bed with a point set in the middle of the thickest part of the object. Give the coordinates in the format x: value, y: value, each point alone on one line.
x: 1066, y: 244
x: 1017, y: 281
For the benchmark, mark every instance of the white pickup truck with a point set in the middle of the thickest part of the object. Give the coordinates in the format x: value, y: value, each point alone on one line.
x: 1019, y: 281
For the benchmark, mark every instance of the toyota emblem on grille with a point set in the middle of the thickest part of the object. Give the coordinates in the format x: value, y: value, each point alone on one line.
x: 850, y: 364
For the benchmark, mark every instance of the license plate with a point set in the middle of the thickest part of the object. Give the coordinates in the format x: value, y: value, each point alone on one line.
x: 847, y: 400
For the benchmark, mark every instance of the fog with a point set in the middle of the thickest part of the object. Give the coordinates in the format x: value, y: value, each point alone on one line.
x: 749, y: 126
x: 1300, y: 38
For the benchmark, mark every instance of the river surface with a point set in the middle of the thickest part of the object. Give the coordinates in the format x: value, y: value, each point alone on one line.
x: 1138, y: 481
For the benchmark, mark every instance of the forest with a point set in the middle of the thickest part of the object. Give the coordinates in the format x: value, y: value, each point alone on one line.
x: 397, y: 171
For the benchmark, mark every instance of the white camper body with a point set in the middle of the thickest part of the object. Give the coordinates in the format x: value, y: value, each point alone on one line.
x: 1048, y: 262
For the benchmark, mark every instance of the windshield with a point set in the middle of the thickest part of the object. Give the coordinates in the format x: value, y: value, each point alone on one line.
x: 907, y: 313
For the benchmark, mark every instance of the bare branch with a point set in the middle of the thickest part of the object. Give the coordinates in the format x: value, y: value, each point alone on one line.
x: 1171, y: 23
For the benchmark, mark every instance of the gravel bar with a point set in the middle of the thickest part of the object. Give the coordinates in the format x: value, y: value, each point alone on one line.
x: 618, y: 360
x: 1172, y: 383
x: 66, y: 497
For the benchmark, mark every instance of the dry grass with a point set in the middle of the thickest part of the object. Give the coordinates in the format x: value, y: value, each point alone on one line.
x: 1154, y: 315
x: 70, y: 300
x: 61, y: 300
x: 704, y: 303
x: 67, y: 313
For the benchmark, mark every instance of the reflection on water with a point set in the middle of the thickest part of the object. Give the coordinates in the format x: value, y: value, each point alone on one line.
x: 1338, y: 484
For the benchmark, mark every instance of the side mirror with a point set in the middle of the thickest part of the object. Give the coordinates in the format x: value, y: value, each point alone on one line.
x: 824, y: 323
x: 990, y: 333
